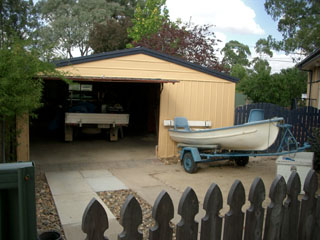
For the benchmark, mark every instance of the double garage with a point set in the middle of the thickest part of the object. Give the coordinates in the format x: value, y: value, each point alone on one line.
x: 147, y: 86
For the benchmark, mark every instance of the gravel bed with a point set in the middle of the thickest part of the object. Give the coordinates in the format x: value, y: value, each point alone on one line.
x: 114, y: 201
x: 47, y: 215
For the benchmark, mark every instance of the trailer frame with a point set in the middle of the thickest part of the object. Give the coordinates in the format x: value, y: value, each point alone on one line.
x: 191, y: 155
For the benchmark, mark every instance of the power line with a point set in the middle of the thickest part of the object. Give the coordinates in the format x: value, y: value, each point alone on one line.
x: 274, y: 60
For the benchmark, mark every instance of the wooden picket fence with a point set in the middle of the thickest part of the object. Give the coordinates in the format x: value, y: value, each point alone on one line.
x: 303, y: 120
x: 286, y: 216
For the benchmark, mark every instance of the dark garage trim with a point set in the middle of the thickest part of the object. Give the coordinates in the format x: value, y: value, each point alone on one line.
x: 309, y: 58
x: 113, y: 79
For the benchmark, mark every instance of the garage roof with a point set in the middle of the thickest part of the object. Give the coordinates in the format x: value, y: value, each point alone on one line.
x: 113, y: 79
x: 310, y: 61
x: 146, y: 51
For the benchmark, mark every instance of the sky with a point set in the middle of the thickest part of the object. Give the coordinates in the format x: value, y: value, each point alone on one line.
x: 243, y: 20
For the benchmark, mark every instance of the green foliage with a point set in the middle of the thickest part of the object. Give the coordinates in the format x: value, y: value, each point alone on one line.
x: 20, y: 88
x: 110, y: 36
x: 257, y: 82
x: 264, y: 46
x: 314, y: 141
x: 290, y: 83
x: 18, y: 19
x: 279, y: 88
x: 239, y: 71
x: 235, y: 53
x: 148, y: 21
x: 67, y: 23
x: 129, y: 6
x: 299, y: 23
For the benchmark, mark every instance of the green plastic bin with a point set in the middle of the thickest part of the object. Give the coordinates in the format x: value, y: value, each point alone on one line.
x: 17, y: 201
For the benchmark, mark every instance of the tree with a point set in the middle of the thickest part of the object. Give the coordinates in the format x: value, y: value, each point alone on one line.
x: 20, y: 83
x: 67, y: 23
x: 256, y: 80
x: 148, y: 20
x: 20, y: 90
x: 196, y: 44
x: 18, y: 19
x: 291, y: 83
x: 298, y: 22
x: 129, y: 7
x: 110, y: 36
x: 278, y: 88
x: 256, y: 83
x: 264, y: 46
x: 235, y: 53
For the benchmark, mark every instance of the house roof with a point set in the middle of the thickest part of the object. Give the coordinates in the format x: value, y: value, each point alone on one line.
x: 310, y: 61
x: 146, y: 51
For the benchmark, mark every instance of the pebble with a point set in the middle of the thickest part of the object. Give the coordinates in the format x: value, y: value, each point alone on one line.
x: 47, y: 215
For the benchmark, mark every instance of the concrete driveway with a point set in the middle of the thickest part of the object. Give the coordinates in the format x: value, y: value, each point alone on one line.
x: 132, y: 162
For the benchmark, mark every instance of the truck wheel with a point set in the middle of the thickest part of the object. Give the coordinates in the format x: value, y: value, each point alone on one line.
x: 188, y: 163
x: 242, y: 161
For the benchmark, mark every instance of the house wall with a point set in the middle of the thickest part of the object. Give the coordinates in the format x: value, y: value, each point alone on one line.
x: 315, y: 88
x: 198, y: 96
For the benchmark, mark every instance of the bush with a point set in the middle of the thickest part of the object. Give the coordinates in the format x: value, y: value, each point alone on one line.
x: 314, y: 141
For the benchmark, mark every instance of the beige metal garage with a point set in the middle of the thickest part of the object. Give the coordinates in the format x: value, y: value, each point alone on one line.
x: 185, y: 89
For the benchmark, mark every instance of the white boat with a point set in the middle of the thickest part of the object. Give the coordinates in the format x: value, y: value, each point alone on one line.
x: 252, y: 136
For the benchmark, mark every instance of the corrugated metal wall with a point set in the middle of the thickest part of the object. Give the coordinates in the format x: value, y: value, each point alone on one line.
x: 195, y: 100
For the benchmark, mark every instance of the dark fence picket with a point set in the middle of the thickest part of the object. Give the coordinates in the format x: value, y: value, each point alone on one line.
x: 314, y: 118
x: 187, y: 228
x: 274, y: 216
x: 211, y: 223
x: 291, y: 206
x: 162, y: 212
x: 303, y: 120
x: 236, y: 115
x: 284, y: 220
x: 234, y: 218
x: 308, y: 207
x: 130, y: 219
x: 316, y: 233
x: 95, y: 221
x: 309, y: 120
x: 293, y: 115
x: 255, y: 213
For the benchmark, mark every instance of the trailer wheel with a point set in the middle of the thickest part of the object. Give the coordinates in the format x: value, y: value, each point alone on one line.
x: 242, y: 161
x: 188, y: 163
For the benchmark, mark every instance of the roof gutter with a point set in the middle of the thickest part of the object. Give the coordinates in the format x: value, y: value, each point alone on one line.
x: 113, y: 79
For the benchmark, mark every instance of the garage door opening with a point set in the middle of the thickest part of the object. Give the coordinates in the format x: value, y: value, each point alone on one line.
x: 139, y: 100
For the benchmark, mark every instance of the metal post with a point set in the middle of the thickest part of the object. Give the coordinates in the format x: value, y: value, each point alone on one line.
x: 3, y: 140
x: 310, y: 87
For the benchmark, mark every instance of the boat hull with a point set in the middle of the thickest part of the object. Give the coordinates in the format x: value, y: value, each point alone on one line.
x: 253, y: 136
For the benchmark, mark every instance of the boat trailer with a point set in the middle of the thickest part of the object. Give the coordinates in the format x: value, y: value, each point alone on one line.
x: 191, y: 155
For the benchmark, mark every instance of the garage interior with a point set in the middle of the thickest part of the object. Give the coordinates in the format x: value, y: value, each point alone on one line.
x: 138, y: 99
